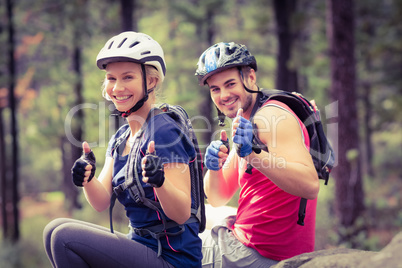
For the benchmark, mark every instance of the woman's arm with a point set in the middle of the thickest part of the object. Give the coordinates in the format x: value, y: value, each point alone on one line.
x: 172, y: 186
x: 175, y: 193
x: 99, y: 190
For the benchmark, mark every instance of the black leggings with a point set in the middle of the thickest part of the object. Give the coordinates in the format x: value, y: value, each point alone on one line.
x: 74, y: 243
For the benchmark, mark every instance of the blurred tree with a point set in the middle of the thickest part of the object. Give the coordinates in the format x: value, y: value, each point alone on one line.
x: 286, y: 73
x: 211, y: 10
x: 3, y: 175
x: 202, y: 14
x: 77, y: 16
x: 348, y: 182
x: 127, y: 8
x: 128, y: 23
x: 11, y: 185
x: 379, y: 51
x: 368, y: 30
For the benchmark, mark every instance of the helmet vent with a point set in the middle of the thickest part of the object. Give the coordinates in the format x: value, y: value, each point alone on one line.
x: 218, y: 53
x: 203, y: 58
x: 146, y: 52
x: 134, y: 44
x: 122, y: 42
x: 230, y: 51
x: 111, y: 44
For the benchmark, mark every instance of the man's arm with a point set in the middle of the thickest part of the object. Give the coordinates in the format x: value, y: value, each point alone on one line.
x: 221, y: 184
x: 288, y: 163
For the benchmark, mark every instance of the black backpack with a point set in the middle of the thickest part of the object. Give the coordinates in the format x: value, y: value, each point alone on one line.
x: 136, y: 191
x: 320, y: 149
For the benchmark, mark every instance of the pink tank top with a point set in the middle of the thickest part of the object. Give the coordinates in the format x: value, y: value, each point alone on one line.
x: 267, y: 216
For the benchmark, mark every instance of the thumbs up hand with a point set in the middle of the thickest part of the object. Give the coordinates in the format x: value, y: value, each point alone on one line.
x: 225, y: 141
x: 217, y: 152
x: 152, y: 167
x: 242, y: 133
x: 84, y: 167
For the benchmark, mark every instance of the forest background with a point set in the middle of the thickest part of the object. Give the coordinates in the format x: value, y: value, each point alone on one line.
x: 50, y: 101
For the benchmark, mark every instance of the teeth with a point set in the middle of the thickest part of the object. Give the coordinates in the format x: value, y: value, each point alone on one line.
x: 122, y: 97
x: 230, y: 103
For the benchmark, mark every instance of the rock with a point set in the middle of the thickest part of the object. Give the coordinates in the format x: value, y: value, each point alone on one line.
x: 390, y: 256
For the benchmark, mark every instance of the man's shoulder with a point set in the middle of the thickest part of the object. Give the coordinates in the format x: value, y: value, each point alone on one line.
x: 273, y: 110
x: 276, y: 119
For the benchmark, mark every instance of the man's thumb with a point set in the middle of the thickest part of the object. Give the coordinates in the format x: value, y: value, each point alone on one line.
x: 151, y: 147
x: 224, y: 135
x: 239, y: 112
x: 85, y: 147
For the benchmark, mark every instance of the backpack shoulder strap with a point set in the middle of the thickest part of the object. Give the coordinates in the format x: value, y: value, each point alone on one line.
x: 121, y: 135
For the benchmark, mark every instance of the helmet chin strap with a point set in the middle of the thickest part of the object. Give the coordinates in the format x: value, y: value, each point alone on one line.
x: 221, y: 116
x: 141, y: 102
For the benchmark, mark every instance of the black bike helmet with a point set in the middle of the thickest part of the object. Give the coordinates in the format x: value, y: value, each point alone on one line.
x: 220, y: 57
x: 133, y: 47
x: 223, y: 56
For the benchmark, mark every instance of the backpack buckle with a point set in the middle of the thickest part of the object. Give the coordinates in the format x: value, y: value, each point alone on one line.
x: 118, y: 189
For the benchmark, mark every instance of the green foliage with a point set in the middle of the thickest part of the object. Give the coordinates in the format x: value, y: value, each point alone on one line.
x: 388, y: 152
x: 25, y: 253
x: 29, y: 251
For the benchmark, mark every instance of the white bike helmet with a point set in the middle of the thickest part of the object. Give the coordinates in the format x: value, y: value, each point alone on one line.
x: 134, y: 47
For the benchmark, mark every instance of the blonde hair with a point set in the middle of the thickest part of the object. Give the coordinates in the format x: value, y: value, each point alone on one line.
x: 151, y: 72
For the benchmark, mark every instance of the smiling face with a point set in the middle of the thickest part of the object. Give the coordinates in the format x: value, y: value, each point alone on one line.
x: 228, y: 93
x: 123, y: 84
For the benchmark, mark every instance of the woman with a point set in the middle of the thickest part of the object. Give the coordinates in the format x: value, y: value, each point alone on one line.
x: 135, y: 68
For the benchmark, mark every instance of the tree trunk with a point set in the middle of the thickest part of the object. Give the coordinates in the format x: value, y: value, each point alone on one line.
x: 368, y: 129
x: 348, y: 182
x: 128, y: 23
x: 14, y: 131
x: 286, y: 75
x: 206, y: 104
x: 70, y: 190
x: 369, y: 30
x: 3, y: 176
x: 127, y: 8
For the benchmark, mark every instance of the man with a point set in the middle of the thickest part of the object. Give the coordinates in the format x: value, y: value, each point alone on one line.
x: 271, y: 181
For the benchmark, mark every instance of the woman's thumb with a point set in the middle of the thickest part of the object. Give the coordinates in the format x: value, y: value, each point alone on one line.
x: 85, y: 147
x: 151, y: 147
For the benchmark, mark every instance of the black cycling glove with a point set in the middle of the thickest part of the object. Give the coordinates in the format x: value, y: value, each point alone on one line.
x: 153, y: 169
x: 78, y: 169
